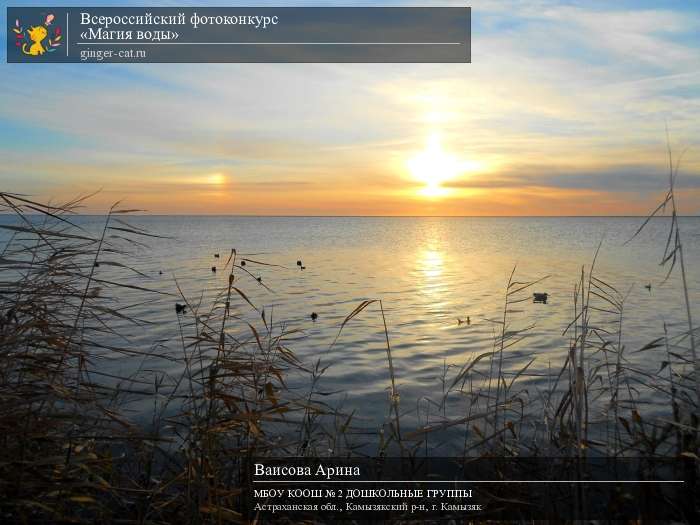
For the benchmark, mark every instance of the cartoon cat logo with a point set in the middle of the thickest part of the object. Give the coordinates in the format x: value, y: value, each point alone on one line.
x: 37, y: 35
x: 31, y: 40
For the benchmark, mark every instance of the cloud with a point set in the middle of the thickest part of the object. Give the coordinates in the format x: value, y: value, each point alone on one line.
x: 637, y: 178
x: 567, y: 96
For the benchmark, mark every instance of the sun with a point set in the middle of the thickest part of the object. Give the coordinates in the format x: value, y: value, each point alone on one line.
x: 216, y: 179
x: 434, y: 167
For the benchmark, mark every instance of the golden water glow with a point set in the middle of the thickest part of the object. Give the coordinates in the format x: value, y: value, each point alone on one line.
x: 431, y: 263
x: 430, y: 273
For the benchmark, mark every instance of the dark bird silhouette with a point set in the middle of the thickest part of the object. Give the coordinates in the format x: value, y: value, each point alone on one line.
x: 96, y: 265
x: 216, y: 256
x: 11, y: 315
x: 180, y: 308
x: 466, y: 321
x: 648, y: 287
x: 160, y: 272
x: 259, y: 279
x: 314, y: 316
x: 243, y: 262
x: 303, y: 267
x: 539, y: 297
x: 213, y: 268
x: 298, y: 263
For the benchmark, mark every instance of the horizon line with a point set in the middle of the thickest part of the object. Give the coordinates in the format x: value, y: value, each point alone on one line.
x: 77, y: 214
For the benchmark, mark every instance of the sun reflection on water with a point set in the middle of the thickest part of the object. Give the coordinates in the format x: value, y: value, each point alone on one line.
x: 431, y: 264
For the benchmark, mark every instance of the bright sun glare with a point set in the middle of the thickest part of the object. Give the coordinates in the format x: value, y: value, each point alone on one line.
x: 216, y: 179
x: 433, y: 167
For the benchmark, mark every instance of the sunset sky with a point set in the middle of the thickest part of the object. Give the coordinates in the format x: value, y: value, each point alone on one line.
x: 561, y: 112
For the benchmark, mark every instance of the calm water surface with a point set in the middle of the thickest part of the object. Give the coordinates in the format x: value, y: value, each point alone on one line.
x: 428, y: 272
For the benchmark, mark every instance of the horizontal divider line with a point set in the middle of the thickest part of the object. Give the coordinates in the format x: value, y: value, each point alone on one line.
x: 270, y: 43
x: 472, y: 481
